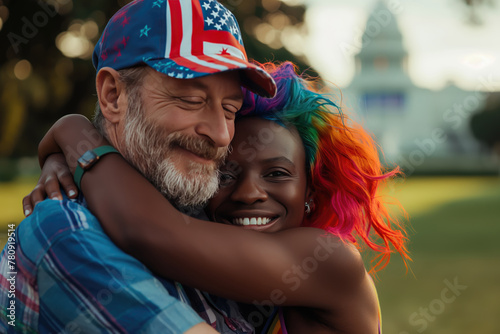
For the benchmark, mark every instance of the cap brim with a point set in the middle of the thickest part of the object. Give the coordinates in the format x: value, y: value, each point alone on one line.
x: 258, y: 81
x: 254, y: 78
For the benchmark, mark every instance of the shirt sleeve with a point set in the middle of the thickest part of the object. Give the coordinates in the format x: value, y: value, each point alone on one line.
x: 86, y: 284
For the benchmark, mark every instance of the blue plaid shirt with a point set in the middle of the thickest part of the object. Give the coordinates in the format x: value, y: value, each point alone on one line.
x: 67, y: 276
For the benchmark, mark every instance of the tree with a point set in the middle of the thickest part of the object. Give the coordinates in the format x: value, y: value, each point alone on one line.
x: 38, y: 82
x: 485, y: 124
x: 266, y: 27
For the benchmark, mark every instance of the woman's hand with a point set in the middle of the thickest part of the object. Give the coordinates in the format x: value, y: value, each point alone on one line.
x: 71, y: 135
x: 55, y: 174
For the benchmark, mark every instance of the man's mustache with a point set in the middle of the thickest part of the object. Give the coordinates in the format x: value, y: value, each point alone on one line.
x: 198, y: 146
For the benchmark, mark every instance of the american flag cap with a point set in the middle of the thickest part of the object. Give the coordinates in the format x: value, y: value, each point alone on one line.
x: 183, y: 39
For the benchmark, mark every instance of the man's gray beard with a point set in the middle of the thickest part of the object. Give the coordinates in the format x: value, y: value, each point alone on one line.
x: 149, y: 149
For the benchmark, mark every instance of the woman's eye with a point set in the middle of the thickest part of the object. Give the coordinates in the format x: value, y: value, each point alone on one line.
x: 277, y: 173
x: 225, y: 179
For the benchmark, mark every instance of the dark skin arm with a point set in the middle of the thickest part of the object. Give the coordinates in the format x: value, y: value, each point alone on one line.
x: 296, y: 267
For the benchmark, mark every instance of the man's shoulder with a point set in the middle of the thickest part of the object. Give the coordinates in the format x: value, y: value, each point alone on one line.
x: 56, y: 217
x: 52, y: 220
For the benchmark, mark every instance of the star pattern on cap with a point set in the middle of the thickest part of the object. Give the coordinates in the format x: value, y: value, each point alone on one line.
x: 119, y: 15
x: 158, y: 3
x: 125, y: 41
x: 118, y: 53
x: 162, y: 66
x: 171, y: 68
x: 224, y: 52
x: 219, y: 18
x: 126, y: 20
x: 145, y: 30
x: 222, y: 19
x: 233, y: 27
x: 234, y: 30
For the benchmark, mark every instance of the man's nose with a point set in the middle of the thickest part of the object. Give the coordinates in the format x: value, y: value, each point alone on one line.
x: 216, y: 127
x: 248, y: 190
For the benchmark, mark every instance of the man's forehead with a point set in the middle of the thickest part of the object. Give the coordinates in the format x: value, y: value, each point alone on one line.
x: 229, y: 82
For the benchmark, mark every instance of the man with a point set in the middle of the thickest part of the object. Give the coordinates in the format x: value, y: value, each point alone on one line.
x: 168, y: 84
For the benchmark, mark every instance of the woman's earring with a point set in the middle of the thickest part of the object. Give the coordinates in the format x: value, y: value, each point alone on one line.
x: 308, y: 208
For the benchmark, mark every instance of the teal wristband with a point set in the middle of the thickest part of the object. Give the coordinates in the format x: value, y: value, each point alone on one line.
x: 89, y: 159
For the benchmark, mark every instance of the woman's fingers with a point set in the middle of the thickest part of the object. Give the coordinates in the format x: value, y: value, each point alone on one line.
x: 27, y: 206
x: 52, y: 188
x: 55, y: 174
x: 66, y: 180
x: 37, y: 195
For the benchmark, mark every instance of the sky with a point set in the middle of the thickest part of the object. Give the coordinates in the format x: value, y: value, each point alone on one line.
x: 443, y: 47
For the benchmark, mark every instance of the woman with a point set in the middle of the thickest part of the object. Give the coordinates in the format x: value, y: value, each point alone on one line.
x: 296, y: 171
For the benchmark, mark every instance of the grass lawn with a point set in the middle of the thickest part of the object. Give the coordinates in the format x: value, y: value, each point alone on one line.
x: 11, y: 207
x: 454, y: 242
x: 453, y: 286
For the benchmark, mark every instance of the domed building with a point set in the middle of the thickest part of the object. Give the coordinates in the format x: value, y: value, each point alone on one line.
x: 419, y: 129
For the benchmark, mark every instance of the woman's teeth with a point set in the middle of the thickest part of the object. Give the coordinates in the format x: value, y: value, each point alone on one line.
x: 251, y: 221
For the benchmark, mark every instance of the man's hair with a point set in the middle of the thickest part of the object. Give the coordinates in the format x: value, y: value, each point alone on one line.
x: 132, y: 78
x: 342, y: 160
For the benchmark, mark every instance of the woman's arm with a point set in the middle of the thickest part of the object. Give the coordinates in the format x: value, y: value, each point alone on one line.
x: 72, y: 135
x: 301, y: 266
x: 79, y: 135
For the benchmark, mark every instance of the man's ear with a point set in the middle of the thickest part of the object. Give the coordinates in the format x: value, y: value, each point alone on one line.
x: 112, y: 95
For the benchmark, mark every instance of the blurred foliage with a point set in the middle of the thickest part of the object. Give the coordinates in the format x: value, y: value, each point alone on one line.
x: 485, y: 124
x: 39, y: 84
x: 263, y: 22
x: 8, y: 170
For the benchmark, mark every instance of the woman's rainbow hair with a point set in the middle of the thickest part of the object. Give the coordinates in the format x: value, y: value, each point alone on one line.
x: 342, y: 159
